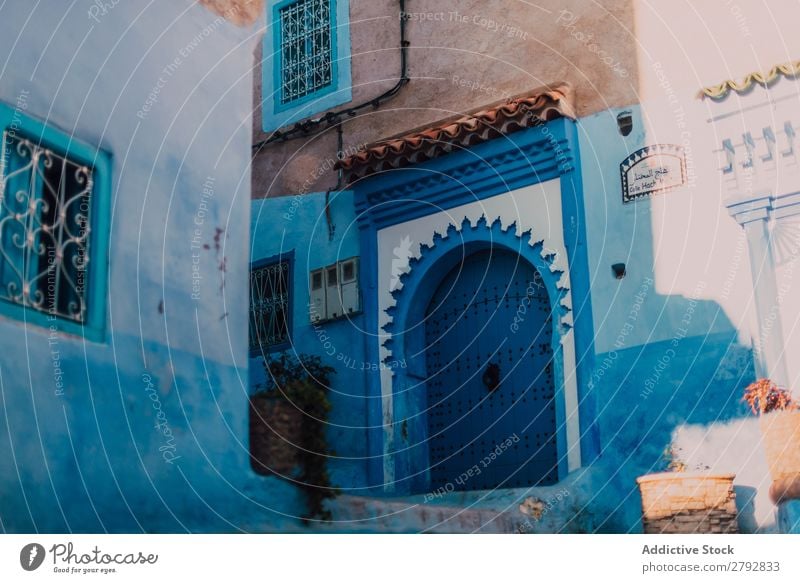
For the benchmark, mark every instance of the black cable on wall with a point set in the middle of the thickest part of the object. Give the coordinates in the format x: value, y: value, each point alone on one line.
x: 332, y: 118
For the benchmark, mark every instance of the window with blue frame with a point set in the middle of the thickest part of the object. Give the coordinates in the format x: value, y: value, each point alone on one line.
x: 306, y: 52
x: 306, y: 60
x: 270, y: 306
x: 54, y: 194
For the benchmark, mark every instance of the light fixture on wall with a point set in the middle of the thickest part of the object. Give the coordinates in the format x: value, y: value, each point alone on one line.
x: 625, y: 122
x: 619, y: 270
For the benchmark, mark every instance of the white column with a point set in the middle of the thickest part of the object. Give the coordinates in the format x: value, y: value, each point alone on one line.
x: 754, y: 214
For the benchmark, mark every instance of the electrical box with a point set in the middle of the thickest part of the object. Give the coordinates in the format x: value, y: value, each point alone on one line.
x: 317, y: 309
x: 333, y: 297
x: 334, y: 291
x: 348, y: 282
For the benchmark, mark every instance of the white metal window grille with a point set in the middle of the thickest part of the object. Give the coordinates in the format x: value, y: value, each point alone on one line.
x: 269, y: 305
x: 45, y: 204
x: 305, y: 48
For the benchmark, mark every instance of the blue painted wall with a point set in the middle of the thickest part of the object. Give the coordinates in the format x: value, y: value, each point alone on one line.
x: 789, y: 517
x: 657, y: 364
x: 299, y: 224
x: 663, y: 361
x: 148, y: 431
x: 145, y: 430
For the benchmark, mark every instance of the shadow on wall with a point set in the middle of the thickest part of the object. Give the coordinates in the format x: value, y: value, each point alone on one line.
x: 663, y: 362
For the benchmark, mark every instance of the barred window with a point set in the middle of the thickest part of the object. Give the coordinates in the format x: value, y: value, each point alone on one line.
x: 45, y: 228
x: 269, y: 306
x: 306, y: 50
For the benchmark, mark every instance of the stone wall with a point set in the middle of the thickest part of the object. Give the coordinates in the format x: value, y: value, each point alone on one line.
x: 463, y: 54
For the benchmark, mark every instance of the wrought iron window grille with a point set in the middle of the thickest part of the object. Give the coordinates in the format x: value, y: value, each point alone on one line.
x: 269, y: 306
x: 306, y: 50
x: 45, y: 229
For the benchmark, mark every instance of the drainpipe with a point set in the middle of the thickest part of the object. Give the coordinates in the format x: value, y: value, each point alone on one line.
x: 339, y: 182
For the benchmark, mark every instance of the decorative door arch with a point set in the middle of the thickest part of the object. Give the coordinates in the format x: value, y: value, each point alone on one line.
x: 476, y: 252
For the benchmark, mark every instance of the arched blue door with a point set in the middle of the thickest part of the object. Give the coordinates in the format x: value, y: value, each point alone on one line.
x: 490, y: 382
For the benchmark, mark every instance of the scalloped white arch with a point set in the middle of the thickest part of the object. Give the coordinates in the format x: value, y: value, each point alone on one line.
x: 535, y: 208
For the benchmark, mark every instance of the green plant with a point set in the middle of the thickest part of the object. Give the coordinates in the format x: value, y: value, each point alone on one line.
x: 304, y: 381
x: 764, y: 396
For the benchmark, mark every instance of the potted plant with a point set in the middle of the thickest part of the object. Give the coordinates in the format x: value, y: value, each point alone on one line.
x: 779, y: 419
x: 684, y: 501
x: 287, y: 427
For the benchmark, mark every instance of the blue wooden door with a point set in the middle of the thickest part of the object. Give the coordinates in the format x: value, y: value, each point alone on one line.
x: 490, y: 384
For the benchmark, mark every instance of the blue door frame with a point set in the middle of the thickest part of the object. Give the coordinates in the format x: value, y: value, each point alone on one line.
x: 528, y: 157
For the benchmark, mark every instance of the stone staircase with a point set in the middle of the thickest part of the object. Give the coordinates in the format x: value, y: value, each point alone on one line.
x: 411, y: 515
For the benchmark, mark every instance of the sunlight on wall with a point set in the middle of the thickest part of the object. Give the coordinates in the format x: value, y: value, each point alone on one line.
x: 699, y: 250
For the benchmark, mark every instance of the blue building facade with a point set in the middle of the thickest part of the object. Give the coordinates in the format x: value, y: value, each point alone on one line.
x: 127, y: 411
x: 510, y: 321
x: 634, y: 370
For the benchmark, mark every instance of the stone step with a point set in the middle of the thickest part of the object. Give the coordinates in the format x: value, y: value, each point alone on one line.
x: 401, y: 515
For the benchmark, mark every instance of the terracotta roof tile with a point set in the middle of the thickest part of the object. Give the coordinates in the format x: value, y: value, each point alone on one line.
x: 473, y: 128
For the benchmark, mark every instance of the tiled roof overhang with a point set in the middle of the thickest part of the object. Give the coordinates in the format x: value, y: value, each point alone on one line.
x: 719, y: 92
x: 479, y: 126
